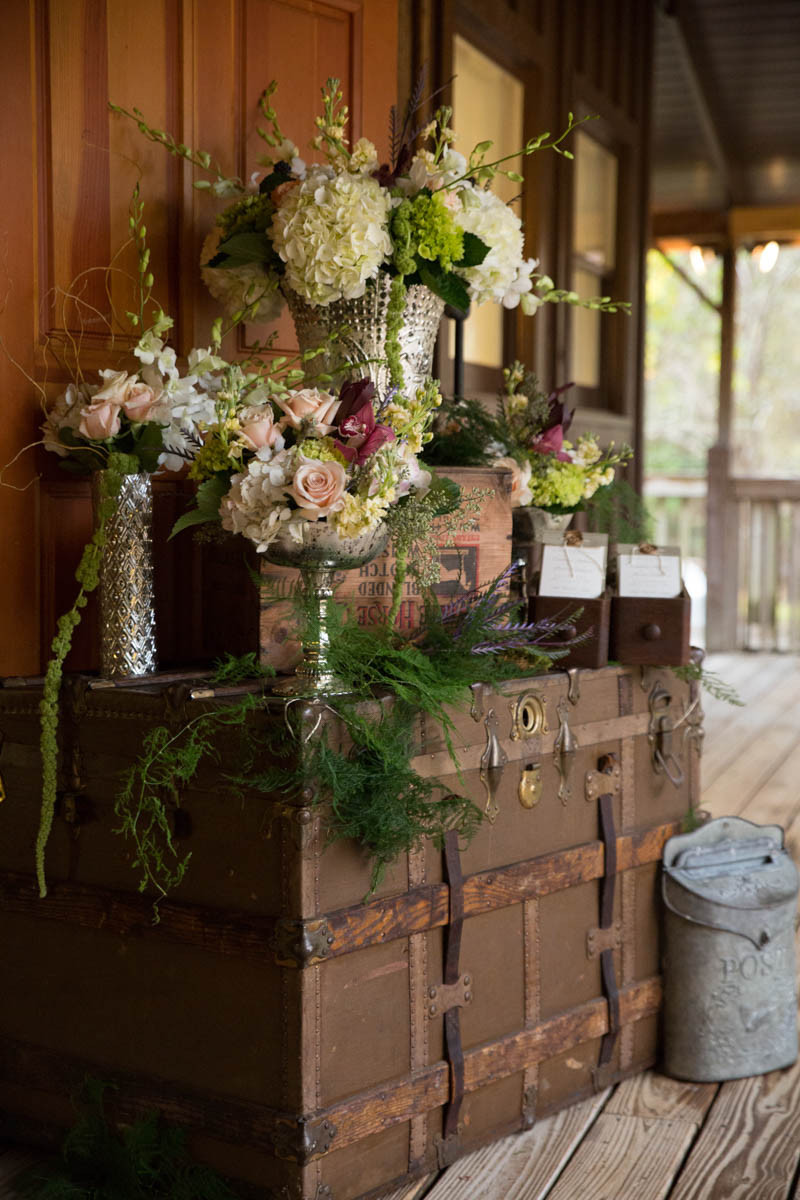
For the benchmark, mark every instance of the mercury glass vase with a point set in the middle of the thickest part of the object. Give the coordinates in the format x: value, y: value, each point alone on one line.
x: 127, y: 601
x: 530, y: 523
x: 320, y: 557
x: 361, y: 329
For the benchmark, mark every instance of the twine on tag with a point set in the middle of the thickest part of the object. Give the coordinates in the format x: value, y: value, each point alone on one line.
x: 573, y: 537
x: 647, y: 548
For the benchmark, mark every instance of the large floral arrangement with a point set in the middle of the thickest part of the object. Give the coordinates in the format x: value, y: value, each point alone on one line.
x: 548, y: 471
x: 325, y: 230
x: 275, y: 459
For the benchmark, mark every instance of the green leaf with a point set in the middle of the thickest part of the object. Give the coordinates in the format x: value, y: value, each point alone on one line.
x: 451, y: 289
x: 446, y: 495
x: 241, y: 249
x: 475, y: 251
x: 209, y: 495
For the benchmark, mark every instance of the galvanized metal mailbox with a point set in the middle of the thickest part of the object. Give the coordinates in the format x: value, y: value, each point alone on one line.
x: 730, y: 1002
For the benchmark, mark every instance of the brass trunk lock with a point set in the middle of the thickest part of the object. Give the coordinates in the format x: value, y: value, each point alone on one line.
x: 659, y: 735
x: 529, y: 716
x: 530, y: 785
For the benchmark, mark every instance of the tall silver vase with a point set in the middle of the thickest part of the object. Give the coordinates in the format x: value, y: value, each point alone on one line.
x: 320, y: 557
x: 361, y: 341
x: 127, y: 600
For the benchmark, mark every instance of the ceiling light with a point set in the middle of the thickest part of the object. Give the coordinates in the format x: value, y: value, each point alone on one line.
x: 768, y: 257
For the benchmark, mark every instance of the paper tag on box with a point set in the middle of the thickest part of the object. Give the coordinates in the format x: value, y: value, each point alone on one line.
x: 573, y: 564
x: 651, y: 571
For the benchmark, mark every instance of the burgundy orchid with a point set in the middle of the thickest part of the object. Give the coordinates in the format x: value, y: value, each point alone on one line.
x: 352, y: 396
x: 551, y: 441
x: 559, y: 413
x: 364, y: 435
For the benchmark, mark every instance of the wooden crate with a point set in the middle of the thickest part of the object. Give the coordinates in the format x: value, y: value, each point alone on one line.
x: 592, y: 623
x: 648, y: 631
x: 316, y: 1046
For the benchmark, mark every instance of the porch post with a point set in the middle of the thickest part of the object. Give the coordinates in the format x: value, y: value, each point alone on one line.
x: 722, y: 525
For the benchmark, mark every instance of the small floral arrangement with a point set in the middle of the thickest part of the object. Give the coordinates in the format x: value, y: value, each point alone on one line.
x: 325, y: 230
x: 274, y: 458
x: 547, y: 470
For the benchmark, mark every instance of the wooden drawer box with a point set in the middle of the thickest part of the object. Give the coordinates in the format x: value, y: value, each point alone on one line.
x: 650, y: 632
x: 593, y: 621
x: 316, y: 1046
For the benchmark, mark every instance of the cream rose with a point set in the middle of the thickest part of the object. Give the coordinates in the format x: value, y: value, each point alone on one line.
x: 140, y: 401
x: 521, y: 494
x: 318, y: 488
x: 99, y: 421
x: 310, y: 404
x: 260, y: 430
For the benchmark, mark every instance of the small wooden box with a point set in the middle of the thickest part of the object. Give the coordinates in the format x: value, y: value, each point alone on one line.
x: 594, y: 619
x: 647, y: 631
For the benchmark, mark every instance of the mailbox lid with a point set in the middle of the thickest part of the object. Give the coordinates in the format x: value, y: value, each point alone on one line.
x: 734, y: 875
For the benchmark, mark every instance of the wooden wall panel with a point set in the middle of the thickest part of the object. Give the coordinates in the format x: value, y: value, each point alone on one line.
x: 196, y: 68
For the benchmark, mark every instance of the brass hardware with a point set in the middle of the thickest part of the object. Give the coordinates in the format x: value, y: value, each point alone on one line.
x: 606, y: 780
x: 565, y: 749
x: 574, y: 689
x: 449, y: 1148
x: 2, y: 790
x: 302, y: 1139
x: 529, y: 1098
x: 530, y: 785
x: 598, y: 940
x: 479, y: 693
x: 493, y: 761
x: 529, y: 716
x: 449, y: 995
x: 659, y: 735
x: 301, y: 943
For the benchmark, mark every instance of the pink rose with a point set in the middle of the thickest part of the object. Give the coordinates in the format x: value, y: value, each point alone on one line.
x: 115, y: 389
x: 140, y: 401
x: 309, y: 404
x: 99, y: 421
x: 318, y: 488
x: 261, y: 430
x: 521, y: 494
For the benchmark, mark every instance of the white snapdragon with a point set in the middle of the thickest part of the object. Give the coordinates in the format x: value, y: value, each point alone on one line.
x: 150, y: 350
x: 332, y: 233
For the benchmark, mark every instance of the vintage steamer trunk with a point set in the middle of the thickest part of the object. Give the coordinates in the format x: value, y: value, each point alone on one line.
x: 316, y: 1046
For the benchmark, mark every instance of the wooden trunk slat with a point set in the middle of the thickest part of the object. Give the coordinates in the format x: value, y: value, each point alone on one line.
x: 749, y: 1147
x: 521, y: 1167
x: 625, y: 1156
x: 250, y: 935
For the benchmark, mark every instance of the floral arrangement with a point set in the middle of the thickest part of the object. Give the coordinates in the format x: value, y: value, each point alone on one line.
x: 274, y: 459
x: 548, y: 471
x: 325, y: 230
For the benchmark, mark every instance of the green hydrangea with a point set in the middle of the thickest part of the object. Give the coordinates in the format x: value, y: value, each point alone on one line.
x: 423, y: 227
x: 322, y: 449
x: 252, y: 214
x: 561, y: 483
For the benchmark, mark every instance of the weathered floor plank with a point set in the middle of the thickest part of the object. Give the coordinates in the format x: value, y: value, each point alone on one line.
x: 744, y: 727
x: 521, y: 1167
x: 652, y: 1095
x: 749, y: 1147
x: 625, y: 1157
x: 411, y: 1191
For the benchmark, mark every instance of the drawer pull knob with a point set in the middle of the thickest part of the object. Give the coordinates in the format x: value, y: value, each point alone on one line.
x: 651, y: 633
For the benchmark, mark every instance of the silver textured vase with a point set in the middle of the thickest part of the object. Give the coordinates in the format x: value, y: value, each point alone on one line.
x: 319, y: 557
x: 361, y: 341
x: 127, y: 601
x: 529, y: 523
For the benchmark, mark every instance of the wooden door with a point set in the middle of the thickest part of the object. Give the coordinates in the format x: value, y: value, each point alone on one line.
x: 68, y: 169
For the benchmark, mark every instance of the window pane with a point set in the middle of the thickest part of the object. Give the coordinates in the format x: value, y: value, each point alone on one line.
x: 585, y: 354
x: 487, y: 106
x: 594, y: 227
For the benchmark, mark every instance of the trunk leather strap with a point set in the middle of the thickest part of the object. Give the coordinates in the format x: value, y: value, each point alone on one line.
x: 601, y: 1073
x: 447, y: 1145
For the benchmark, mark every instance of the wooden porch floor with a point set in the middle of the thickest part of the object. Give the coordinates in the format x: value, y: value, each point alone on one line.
x: 650, y: 1137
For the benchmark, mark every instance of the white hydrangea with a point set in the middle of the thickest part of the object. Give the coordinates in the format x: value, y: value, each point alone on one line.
x: 237, y: 287
x: 485, y: 215
x: 256, y: 504
x: 333, y: 235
